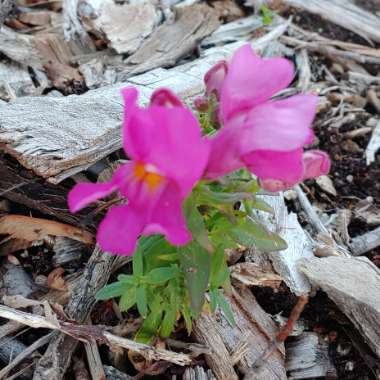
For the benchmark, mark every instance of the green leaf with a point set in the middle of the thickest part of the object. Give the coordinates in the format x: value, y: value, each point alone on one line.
x: 115, y: 289
x: 157, y: 252
x: 215, y: 198
x: 195, y: 263
x: 168, y: 322
x: 141, y: 300
x: 250, y: 233
x: 196, y: 223
x: 226, y: 308
x: 213, y: 299
x: 187, y: 317
x: 128, y: 299
x: 137, y: 262
x: 161, y: 275
x: 126, y: 279
x: 219, y: 271
x: 259, y: 204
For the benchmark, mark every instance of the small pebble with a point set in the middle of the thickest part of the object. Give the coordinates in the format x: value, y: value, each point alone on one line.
x: 349, y: 366
x: 350, y: 178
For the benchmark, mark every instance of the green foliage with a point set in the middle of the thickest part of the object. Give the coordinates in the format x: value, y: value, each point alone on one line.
x: 266, y: 14
x: 169, y: 283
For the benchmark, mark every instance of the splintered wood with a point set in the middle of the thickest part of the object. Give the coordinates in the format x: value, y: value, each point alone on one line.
x: 242, y: 344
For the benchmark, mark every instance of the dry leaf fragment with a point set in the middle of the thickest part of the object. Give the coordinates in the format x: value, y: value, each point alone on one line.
x: 24, y: 231
x: 56, y: 281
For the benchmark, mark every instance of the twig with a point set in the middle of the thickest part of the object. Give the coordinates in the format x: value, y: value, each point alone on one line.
x: 285, y: 331
x: 315, y: 221
x: 24, y: 354
x: 93, y: 358
x: 85, y: 332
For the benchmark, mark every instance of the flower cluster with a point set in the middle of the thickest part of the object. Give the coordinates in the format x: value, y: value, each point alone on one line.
x: 168, y: 154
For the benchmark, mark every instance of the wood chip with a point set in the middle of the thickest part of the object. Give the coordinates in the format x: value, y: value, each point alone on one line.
x: 373, y: 145
x: 125, y: 25
x: 354, y: 285
x: 174, y: 40
x: 308, y: 357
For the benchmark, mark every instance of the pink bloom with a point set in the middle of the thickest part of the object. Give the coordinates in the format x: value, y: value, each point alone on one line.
x: 266, y: 136
x: 168, y: 156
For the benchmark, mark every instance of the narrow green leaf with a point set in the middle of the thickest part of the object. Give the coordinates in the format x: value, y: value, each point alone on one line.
x: 213, y: 299
x: 259, y: 204
x: 151, y: 324
x: 128, y: 299
x: 195, y: 263
x: 196, y: 223
x: 115, y: 289
x: 168, y: 322
x: 126, y: 279
x: 137, y: 262
x: 141, y: 300
x: 219, y: 271
x: 161, y: 275
x: 226, y: 308
x: 187, y: 318
x: 216, y: 198
x: 250, y: 233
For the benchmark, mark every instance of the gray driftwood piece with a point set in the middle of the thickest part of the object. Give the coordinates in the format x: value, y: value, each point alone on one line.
x: 366, y: 242
x: 242, y: 344
x: 125, y: 25
x: 300, y: 245
x: 174, y: 39
x: 307, y: 356
x: 343, y: 13
x: 354, y: 285
x: 58, y: 137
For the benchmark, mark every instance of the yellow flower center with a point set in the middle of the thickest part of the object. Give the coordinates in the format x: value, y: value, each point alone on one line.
x: 146, y: 173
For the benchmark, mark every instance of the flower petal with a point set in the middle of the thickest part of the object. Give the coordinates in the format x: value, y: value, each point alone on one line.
x: 84, y: 193
x: 214, y: 78
x: 252, y: 80
x: 282, y: 125
x: 165, y: 98
x: 283, y: 166
x: 167, y: 217
x: 119, y: 230
x: 225, y: 154
x: 316, y: 163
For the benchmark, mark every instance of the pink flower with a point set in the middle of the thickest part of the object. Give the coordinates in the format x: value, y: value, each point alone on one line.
x: 266, y: 136
x: 168, y: 156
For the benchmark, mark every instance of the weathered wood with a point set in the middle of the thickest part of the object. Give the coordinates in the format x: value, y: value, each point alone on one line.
x: 308, y: 357
x: 198, y: 373
x: 300, y: 246
x: 245, y: 341
x: 58, y: 137
x: 15, y: 81
x: 125, y: 25
x: 366, y: 242
x: 354, y: 285
x: 343, y: 13
x: 114, y: 374
x: 56, y: 359
x: 72, y: 27
x: 6, y: 7
x: 174, y: 40
x: 18, y: 186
